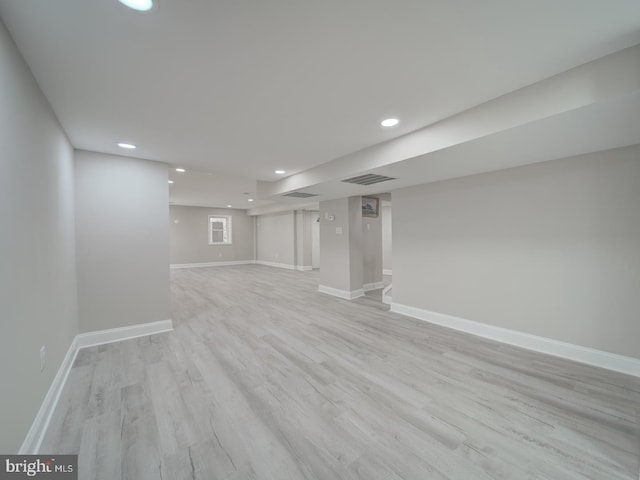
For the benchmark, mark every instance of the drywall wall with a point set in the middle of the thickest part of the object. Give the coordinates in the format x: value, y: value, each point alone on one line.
x: 372, y: 252
x: 275, y: 236
x: 37, y: 263
x: 549, y: 249
x: 189, y: 236
x: 387, y: 243
x: 341, y: 244
x: 122, y: 239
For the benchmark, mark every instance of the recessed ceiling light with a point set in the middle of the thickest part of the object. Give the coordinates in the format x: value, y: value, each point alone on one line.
x: 389, y: 122
x: 228, y: 206
x: 249, y: 199
x: 170, y: 181
x: 280, y: 172
x: 129, y: 146
x: 140, y: 5
x: 181, y: 170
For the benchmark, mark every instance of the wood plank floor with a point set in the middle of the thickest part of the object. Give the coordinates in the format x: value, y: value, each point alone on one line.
x: 265, y: 378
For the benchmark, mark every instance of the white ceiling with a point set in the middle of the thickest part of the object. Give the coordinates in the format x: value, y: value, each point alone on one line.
x: 198, y: 188
x: 241, y: 88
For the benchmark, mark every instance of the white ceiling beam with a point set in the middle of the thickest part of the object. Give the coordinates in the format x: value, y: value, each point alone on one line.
x: 607, y: 78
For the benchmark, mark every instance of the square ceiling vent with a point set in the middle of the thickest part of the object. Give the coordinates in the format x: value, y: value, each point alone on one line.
x: 368, y: 179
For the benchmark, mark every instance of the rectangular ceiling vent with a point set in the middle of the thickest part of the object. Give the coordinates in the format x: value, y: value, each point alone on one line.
x: 299, y: 195
x: 368, y: 179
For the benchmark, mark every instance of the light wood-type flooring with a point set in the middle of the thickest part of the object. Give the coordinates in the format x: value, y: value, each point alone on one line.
x: 265, y: 378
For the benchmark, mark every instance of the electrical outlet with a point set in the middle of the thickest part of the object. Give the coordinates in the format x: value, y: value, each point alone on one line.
x: 43, y: 357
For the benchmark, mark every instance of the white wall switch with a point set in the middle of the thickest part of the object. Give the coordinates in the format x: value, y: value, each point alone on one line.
x: 338, y: 230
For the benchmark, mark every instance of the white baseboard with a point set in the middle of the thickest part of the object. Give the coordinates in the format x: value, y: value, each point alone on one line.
x: 123, y: 333
x: 174, y: 266
x: 274, y: 264
x: 346, y: 294
x: 304, y: 268
x: 386, y: 298
x: 577, y: 353
x: 372, y: 286
x: 387, y: 272
x: 33, y: 440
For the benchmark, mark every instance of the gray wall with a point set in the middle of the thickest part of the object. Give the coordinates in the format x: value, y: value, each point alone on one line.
x: 190, y: 236
x: 550, y: 249
x: 37, y: 263
x: 276, y: 238
x: 341, y: 253
x: 387, y: 243
x: 285, y: 238
x: 122, y: 237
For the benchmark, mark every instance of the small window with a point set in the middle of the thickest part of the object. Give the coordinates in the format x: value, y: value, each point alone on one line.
x: 219, y: 230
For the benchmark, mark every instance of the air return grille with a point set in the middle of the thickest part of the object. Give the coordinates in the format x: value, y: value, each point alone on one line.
x: 368, y: 179
x: 299, y: 195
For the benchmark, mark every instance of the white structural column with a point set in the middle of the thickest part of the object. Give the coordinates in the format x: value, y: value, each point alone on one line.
x: 372, y: 252
x: 341, y: 260
x: 303, y: 243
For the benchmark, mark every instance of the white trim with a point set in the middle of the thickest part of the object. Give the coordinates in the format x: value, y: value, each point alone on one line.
x: 276, y: 265
x: 346, y: 294
x: 372, y: 286
x: 387, y: 272
x: 174, y: 266
x: 123, y: 333
x: 386, y: 298
x: 577, y: 353
x: 304, y: 268
x: 226, y: 230
x: 33, y: 440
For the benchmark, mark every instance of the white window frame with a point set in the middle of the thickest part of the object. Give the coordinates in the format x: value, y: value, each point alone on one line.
x: 226, y: 232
